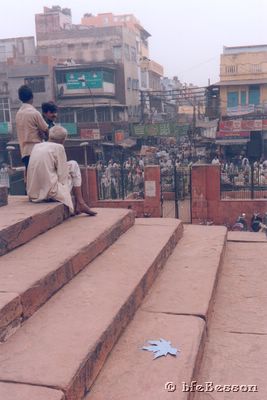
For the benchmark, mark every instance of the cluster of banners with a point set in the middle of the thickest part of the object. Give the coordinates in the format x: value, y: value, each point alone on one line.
x: 162, y: 129
x: 243, y: 125
x: 239, y: 129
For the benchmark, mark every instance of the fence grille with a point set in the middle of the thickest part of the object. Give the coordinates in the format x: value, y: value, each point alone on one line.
x: 176, y: 179
x: 117, y: 182
x: 247, y: 182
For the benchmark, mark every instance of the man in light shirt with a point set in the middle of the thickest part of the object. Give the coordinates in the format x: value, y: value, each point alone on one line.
x: 31, y: 127
x: 51, y: 177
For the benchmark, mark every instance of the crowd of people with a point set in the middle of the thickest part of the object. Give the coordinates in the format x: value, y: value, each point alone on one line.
x: 116, y: 181
x: 238, y: 171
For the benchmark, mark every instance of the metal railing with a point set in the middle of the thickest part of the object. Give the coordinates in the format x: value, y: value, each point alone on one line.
x: 176, y: 179
x: 244, y: 182
x: 119, y: 182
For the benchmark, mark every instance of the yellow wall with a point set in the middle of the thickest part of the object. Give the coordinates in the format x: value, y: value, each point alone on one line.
x: 249, y: 66
x: 239, y: 67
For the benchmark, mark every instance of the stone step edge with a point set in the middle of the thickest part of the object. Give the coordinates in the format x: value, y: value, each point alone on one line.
x: 205, y: 336
x: 95, y: 360
x: 44, y: 289
x: 213, y: 294
x: 23, y: 231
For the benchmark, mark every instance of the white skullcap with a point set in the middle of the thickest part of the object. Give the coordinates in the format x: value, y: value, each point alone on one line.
x: 58, y: 133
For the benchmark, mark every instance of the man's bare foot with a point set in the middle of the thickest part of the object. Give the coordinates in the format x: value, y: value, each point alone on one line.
x: 83, y: 208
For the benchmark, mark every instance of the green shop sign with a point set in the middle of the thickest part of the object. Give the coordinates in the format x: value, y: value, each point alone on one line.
x: 71, y: 128
x: 165, y: 129
x: 84, y: 80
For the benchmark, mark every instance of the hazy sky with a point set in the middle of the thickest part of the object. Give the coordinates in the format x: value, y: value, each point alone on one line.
x: 187, y: 35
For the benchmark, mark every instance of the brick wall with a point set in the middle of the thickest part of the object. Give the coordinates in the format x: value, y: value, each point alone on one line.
x: 149, y: 206
x: 206, y: 201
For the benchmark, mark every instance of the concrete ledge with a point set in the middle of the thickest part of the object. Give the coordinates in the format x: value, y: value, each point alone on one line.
x: 188, y: 283
x: 67, y: 341
x: 31, y: 274
x: 21, y: 221
x: 15, y: 391
x: 131, y: 373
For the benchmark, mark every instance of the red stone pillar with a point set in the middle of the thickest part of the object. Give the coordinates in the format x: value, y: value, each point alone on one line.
x: 213, y: 189
x: 89, y: 187
x: 199, y: 193
x: 152, y: 191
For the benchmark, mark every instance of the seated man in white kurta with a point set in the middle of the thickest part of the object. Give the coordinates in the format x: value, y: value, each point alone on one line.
x: 51, y: 176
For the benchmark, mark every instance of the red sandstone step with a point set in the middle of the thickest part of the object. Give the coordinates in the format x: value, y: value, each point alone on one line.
x: 15, y: 391
x: 175, y: 309
x: 21, y: 221
x: 238, y: 328
x: 66, y: 342
x: 248, y: 237
x: 131, y: 373
x: 31, y: 274
x: 189, y: 280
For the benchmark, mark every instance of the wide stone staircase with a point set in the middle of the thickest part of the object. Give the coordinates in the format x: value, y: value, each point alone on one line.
x: 80, y: 297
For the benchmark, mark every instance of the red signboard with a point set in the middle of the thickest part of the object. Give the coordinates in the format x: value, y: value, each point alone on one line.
x: 119, y: 136
x: 231, y: 135
x: 243, y: 125
x: 90, y: 134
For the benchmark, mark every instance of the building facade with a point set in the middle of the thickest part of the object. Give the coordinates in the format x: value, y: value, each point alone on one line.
x: 243, y: 97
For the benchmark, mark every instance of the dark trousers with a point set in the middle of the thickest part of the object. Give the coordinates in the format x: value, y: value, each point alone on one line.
x: 25, y: 161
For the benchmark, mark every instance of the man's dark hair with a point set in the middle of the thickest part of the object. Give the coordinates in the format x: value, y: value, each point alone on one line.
x: 25, y: 93
x: 50, y: 106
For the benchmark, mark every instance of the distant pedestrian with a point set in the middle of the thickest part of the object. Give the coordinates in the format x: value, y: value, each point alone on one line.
x: 215, y: 161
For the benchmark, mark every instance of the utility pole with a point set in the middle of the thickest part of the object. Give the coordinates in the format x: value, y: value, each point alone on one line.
x: 194, y: 125
x: 142, y: 101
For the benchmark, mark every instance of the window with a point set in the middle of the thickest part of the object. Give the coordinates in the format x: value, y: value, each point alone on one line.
x: 135, y: 84
x: 37, y: 84
x: 127, y: 52
x: 108, y: 76
x: 4, y: 110
x: 144, y: 78
x: 232, y: 99
x: 254, y: 95
x: 61, y: 77
x: 66, y: 115
x: 243, y: 98
x: 231, y: 69
x: 71, y: 47
x: 86, y: 115
x: 117, y: 53
x: 133, y: 54
x: 255, y: 68
x: 85, y: 46
x: 129, y: 83
x: 103, y: 114
x: 118, y: 115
